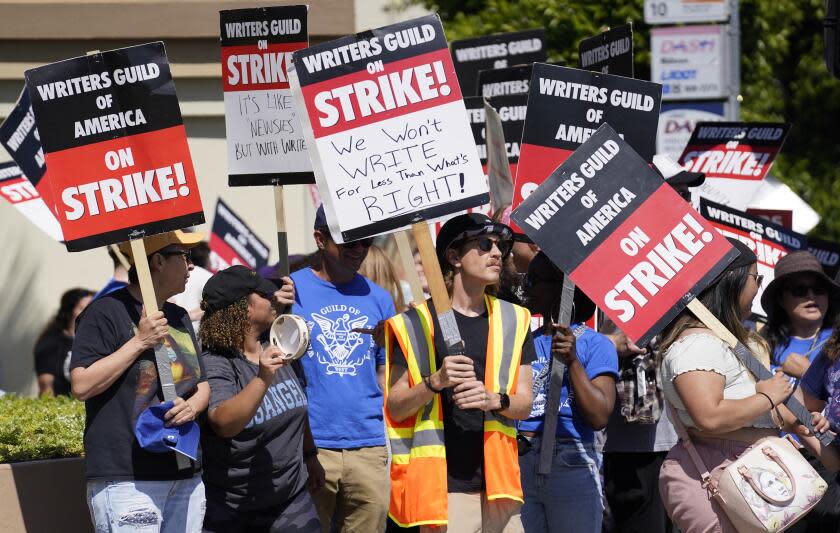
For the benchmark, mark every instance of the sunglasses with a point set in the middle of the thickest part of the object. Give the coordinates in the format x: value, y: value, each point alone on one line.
x: 759, y: 278
x: 364, y: 243
x: 801, y: 291
x: 485, y: 244
x: 186, y: 254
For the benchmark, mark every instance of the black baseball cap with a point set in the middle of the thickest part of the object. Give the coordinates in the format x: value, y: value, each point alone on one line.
x: 230, y: 285
x: 467, y: 226
x: 746, y: 256
x: 674, y: 174
x: 542, y: 269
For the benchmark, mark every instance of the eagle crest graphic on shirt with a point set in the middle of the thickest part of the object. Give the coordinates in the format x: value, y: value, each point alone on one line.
x: 338, y: 342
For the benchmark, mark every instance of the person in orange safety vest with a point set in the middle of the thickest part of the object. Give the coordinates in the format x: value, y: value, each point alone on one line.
x: 450, y: 418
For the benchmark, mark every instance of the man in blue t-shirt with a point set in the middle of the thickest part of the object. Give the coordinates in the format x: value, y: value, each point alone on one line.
x: 345, y: 370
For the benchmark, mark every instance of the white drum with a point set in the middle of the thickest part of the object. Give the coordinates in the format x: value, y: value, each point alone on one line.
x: 291, y: 334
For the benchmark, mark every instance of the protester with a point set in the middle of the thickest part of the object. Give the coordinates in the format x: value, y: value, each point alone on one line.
x: 801, y: 303
x: 821, y: 382
x: 113, y: 370
x: 344, y: 371
x: 190, y: 299
x: 258, y: 448
x: 523, y: 251
x: 378, y: 268
x: 119, y: 278
x: 450, y: 422
x: 715, y: 396
x: 570, y: 499
x: 639, y: 433
x: 54, y: 344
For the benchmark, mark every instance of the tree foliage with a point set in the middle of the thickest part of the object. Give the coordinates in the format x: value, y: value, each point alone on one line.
x: 783, y: 77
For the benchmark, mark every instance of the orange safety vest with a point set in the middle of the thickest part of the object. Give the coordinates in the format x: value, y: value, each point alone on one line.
x: 418, y: 465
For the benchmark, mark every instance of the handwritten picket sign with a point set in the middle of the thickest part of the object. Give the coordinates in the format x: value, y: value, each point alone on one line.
x: 387, y: 129
x: 264, y: 137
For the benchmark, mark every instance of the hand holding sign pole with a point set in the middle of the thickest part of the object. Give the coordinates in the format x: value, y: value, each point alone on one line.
x: 624, y: 236
x: 555, y: 386
x: 162, y: 361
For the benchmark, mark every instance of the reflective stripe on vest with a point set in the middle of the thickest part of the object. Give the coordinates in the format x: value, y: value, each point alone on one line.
x: 418, y: 471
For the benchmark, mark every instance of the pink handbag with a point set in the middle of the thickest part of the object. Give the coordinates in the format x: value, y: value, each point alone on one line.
x: 767, y: 489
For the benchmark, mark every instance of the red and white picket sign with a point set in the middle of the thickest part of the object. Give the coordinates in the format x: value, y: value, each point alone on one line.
x: 115, y: 146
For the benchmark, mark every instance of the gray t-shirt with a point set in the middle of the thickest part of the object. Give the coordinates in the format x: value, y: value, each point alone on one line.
x: 262, y: 466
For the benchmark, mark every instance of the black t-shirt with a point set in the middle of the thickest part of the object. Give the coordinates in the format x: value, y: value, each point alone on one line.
x: 111, y: 450
x: 463, y: 430
x: 52, y: 356
x: 262, y: 466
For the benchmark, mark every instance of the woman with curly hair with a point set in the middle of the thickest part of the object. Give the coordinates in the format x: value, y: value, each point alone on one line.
x: 261, y: 463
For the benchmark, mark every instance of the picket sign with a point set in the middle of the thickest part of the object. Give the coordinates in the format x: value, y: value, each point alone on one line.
x: 440, y: 296
x: 759, y: 371
x: 407, y: 260
x: 119, y: 255
x: 162, y: 362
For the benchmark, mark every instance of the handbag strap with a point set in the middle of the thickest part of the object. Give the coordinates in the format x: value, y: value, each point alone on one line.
x: 706, y: 480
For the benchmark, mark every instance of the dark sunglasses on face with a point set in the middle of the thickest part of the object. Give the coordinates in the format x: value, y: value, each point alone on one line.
x: 759, y: 278
x: 186, y: 254
x: 364, y: 243
x: 485, y: 244
x: 800, y: 291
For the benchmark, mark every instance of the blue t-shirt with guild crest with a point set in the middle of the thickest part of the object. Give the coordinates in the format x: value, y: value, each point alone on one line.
x: 597, y: 355
x: 345, y: 401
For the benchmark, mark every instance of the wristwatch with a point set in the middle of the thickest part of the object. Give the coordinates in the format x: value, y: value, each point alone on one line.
x: 504, y: 402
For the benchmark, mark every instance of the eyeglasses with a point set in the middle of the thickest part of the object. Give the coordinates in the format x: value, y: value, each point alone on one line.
x: 801, y: 291
x: 364, y: 243
x: 186, y: 254
x: 485, y: 244
x: 759, y: 278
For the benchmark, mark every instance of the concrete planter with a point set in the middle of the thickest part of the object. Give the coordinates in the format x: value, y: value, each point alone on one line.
x: 44, y: 496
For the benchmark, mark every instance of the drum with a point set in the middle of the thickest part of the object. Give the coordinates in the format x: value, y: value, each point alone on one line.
x: 291, y: 334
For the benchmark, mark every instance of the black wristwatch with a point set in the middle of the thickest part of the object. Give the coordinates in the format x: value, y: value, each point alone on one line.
x: 504, y: 402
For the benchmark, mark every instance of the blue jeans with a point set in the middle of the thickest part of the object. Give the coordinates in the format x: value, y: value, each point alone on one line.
x: 569, y: 500
x: 147, y: 506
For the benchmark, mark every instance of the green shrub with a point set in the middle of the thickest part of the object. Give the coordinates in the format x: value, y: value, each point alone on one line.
x: 44, y: 428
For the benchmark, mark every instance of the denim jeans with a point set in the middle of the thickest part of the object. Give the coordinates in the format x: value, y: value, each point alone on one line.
x: 569, y: 500
x: 147, y: 506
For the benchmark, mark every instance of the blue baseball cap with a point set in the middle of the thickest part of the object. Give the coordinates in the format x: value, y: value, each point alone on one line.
x: 154, y: 436
x: 321, y: 220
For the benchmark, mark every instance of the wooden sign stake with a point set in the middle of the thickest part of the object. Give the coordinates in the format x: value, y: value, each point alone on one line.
x: 440, y: 296
x: 407, y: 260
x: 282, y: 238
x: 162, y: 361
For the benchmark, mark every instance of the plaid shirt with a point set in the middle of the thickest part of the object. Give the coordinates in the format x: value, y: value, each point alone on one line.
x: 639, y: 389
